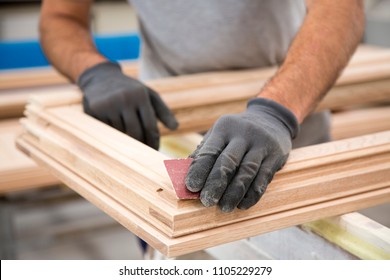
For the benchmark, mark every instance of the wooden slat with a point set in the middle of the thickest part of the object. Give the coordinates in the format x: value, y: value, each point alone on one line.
x: 128, y: 179
x: 199, y: 108
x: 190, y: 243
x: 369, y: 55
x: 17, y: 85
x: 13, y: 102
x: 364, y: 81
x: 355, y: 233
x: 312, y: 174
x: 46, y: 76
x: 358, y: 122
x: 17, y: 171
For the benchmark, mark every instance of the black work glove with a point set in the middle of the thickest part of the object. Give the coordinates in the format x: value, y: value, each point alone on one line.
x: 240, y: 154
x: 124, y: 103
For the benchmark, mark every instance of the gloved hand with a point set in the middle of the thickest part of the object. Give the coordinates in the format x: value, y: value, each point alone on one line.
x: 240, y: 154
x: 124, y: 103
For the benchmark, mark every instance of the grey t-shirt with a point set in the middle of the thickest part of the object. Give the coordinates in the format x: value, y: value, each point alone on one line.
x: 190, y: 36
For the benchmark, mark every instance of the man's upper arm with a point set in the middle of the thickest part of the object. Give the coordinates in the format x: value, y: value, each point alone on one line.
x: 77, y: 10
x: 65, y: 36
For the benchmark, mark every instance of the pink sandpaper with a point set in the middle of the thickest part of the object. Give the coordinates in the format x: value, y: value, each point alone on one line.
x: 177, y: 170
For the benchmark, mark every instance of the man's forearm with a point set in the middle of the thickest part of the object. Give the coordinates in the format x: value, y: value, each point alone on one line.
x: 66, y: 38
x: 328, y: 37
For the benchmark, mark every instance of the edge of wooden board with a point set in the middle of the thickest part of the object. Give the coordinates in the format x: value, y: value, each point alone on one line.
x: 337, y: 150
x: 190, y: 243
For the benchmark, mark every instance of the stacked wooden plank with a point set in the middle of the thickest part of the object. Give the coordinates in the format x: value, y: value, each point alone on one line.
x: 46, y: 76
x: 18, y: 172
x: 199, y: 100
x: 351, y: 123
x: 17, y: 85
x: 355, y: 233
x: 365, y: 81
x: 127, y: 180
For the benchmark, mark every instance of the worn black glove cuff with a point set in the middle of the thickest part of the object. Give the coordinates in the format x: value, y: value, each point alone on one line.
x: 98, y: 72
x: 278, y: 111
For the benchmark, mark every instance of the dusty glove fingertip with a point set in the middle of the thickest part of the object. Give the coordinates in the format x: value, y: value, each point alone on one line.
x: 243, y: 207
x: 192, y: 184
x: 226, y: 208
x: 207, y: 199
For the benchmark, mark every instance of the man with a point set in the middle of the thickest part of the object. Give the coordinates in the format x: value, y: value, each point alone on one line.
x: 240, y: 154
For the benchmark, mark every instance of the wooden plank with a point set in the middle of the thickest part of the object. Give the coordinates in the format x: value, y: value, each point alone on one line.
x: 360, y: 94
x: 17, y: 85
x: 17, y: 171
x: 195, y: 111
x: 185, y: 146
x: 351, y: 123
x: 46, y: 76
x: 13, y: 102
x: 296, y: 243
x: 365, y: 55
x: 355, y: 233
x: 76, y: 142
x: 189, y: 91
x: 345, y: 124
x: 312, y: 174
x: 365, y: 81
x: 197, y: 241
x: 366, y: 229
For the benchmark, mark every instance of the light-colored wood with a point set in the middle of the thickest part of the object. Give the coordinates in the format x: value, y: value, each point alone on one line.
x: 312, y: 175
x: 190, y: 243
x: 17, y: 85
x: 364, y: 81
x: 296, y: 243
x: 13, y: 102
x: 189, y: 91
x: 365, y: 54
x: 357, y: 122
x: 17, y: 171
x: 197, y: 111
x: 344, y: 125
x: 357, y: 234
x: 366, y: 229
x: 360, y: 94
x: 46, y: 76
x: 128, y: 180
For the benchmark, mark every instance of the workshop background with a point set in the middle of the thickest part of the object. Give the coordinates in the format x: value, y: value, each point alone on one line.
x: 55, y: 223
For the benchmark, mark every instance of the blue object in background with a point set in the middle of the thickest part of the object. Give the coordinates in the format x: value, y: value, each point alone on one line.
x: 22, y: 54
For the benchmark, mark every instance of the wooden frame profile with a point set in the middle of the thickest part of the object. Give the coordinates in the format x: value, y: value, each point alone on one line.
x: 18, y: 172
x: 133, y: 176
x: 128, y: 180
x: 190, y: 243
